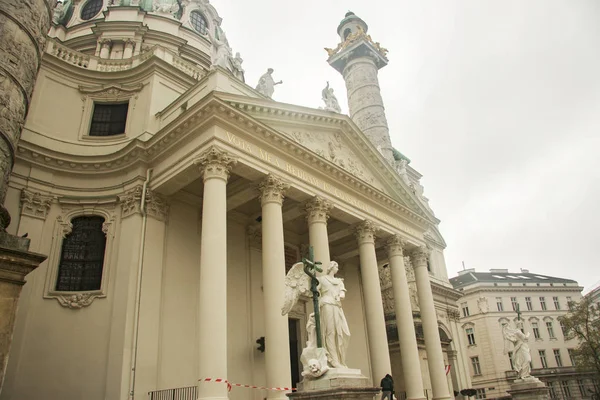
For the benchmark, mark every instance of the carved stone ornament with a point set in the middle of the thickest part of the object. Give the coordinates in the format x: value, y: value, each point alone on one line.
x: 66, y: 226
x: 395, y: 246
x: 365, y: 232
x: 420, y: 256
x: 76, y: 301
x: 272, y: 190
x: 254, y: 237
x: 34, y: 204
x: 317, y: 210
x: 215, y: 163
x: 453, y: 315
x: 111, y: 92
x: 156, y: 206
x: 482, y: 304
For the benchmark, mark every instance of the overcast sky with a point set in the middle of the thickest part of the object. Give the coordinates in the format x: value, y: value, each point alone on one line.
x: 497, y: 104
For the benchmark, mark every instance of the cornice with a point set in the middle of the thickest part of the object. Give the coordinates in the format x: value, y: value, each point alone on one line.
x: 444, y: 291
x: 503, y: 289
x: 210, y: 110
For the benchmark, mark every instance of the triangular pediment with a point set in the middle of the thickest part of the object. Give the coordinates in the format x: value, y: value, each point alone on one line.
x: 336, y: 139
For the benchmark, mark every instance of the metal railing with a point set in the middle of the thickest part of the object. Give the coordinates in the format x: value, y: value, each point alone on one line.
x: 183, y: 393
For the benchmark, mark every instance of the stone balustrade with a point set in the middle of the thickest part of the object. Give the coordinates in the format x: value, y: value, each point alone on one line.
x: 93, y: 63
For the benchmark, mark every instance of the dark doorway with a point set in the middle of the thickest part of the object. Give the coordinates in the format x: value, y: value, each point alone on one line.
x: 294, y: 328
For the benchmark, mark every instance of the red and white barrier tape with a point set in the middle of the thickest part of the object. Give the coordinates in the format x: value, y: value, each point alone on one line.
x: 229, y: 385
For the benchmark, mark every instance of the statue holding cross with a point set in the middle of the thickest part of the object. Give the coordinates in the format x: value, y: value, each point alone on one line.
x: 328, y: 343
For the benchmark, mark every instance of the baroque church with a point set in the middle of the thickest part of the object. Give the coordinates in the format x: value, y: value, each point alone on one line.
x: 171, y: 197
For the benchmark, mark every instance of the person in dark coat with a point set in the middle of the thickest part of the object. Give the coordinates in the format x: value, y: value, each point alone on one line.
x: 387, y: 388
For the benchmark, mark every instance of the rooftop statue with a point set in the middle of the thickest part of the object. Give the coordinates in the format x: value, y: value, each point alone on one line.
x: 266, y: 84
x: 331, y: 102
x: 220, y: 50
x: 62, y: 12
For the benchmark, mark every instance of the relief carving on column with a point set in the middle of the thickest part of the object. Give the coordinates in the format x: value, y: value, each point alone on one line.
x: 34, y: 204
x: 395, y: 246
x: 215, y: 163
x: 365, y: 232
x: 254, y: 237
x: 272, y: 190
x: 317, y: 210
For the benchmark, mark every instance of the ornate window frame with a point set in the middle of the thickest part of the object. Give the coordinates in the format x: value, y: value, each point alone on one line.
x: 62, y: 227
x: 110, y: 94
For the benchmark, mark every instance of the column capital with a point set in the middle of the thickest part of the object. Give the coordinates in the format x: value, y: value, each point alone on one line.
x: 395, y: 245
x: 35, y: 204
x: 365, y: 232
x: 105, y: 42
x: 420, y: 255
x: 272, y: 190
x: 215, y: 163
x: 317, y: 210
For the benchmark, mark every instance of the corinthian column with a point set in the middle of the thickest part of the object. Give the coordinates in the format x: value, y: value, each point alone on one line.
x: 378, y: 344
x: 277, y: 345
x: 404, y: 320
x: 433, y: 346
x: 215, y: 165
x: 317, y: 211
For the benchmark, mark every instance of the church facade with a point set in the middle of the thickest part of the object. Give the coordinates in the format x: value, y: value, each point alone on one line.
x: 171, y: 198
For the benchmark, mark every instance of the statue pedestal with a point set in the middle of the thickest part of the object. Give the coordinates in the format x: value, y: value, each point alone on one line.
x: 528, y: 389
x: 336, y: 383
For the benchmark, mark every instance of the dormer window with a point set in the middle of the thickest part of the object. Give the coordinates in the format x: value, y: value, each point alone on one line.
x: 91, y: 9
x: 198, y: 22
x: 108, y: 119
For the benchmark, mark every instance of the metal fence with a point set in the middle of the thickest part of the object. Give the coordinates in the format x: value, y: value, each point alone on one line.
x: 184, y: 393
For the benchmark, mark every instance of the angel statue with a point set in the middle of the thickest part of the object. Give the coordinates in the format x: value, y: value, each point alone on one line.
x: 521, y: 354
x: 331, y: 328
x: 331, y: 102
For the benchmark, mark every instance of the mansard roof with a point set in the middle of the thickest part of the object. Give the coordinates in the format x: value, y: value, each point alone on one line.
x: 470, y: 277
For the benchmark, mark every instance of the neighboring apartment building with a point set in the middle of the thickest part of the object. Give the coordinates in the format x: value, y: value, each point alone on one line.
x: 491, y: 299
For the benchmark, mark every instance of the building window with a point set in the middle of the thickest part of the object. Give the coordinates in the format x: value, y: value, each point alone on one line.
x: 557, y: 357
x: 499, y: 304
x: 198, y: 22
x: 543, y: 303
x: 543, y: 358
x: 571, y: 356
x: 465, y: 309
x: 536, y: 330
x: 470, y: 336
x: 528, y: 303
x: 550, y: 329
x: 564, y: 385
x: 581, y: 386
x: 91, y: 9
x: 480, y: 394
x: 510, y: 359
x: 109, y: 119
x: 476, y: 366
x: 556, y: 303
x: 514, y: 303
x: 82, y: 256
x: 563, y: 328
x: 552, y: 390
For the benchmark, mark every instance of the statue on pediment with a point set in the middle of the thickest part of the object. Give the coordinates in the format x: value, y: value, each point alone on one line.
x: 220, y: 50
x: 266, y: 84
x: 331, y: 102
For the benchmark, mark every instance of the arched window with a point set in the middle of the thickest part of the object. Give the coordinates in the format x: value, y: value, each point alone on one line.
x: 82, y: 256
x: 347, y: 33
x: 198, y: 22
x: 91, y: 9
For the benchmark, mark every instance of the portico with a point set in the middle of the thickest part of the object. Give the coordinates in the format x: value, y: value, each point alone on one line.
x: 288, y: 198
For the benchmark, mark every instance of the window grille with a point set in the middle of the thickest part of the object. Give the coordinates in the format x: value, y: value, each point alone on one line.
x: 557, y: 358
x: 199, y: 22
x: 109, y: 119
x: 91, y: 9
x: 82, y: 256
